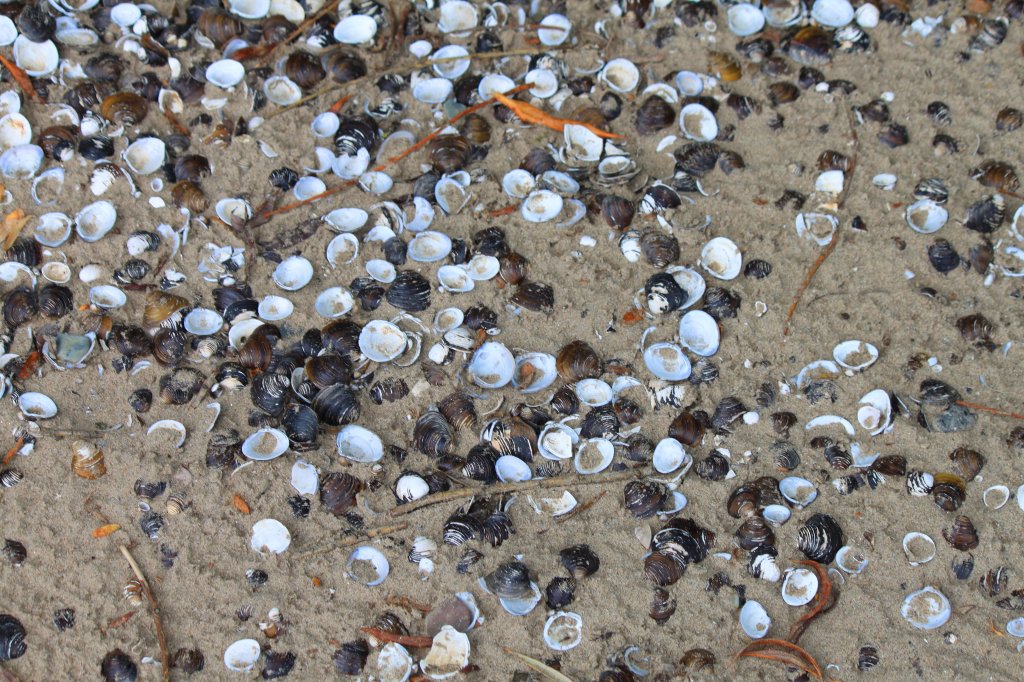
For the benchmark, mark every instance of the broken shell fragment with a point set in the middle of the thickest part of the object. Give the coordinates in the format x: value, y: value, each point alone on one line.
x: 449, y: 653
x: 919, y: 548
x: 563, y: 630
x: 855, y: 355
x: 367, y: 565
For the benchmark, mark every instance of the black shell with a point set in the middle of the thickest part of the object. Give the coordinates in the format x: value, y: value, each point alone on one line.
x: 697, y: 158
x: 986, y: 215
x: 14, y: 551
x: 755, y: 531
x: 300, y: 425
x: 662, y: 606
x: 534, y: 296
x: 277, y: 664
x: 336, y: 405
x: 560, y: 592
x: 350, y: 658
x: 579, y: 560
x: 510, y: 580
x: 148, y: 490
x: 653, y: 115
x: 820, y: 538
x: 714, y: 467
x: 663, y: 293
x: 644, y: 499
x: 389, y: 389
x: 728, y: 410
x: 189, y: 661
x: 410, y: 292
x: 659, y: 247
x: 338, y: 492
x: 64, y: 619
x: 433, y: 435
x: 117, y: 666
x: 943, y: 256
x: 867, y: 657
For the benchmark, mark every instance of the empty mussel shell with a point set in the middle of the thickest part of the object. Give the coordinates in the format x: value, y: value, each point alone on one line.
x: 926, y: 609
x: 270, y: 536
x: 367, y: 565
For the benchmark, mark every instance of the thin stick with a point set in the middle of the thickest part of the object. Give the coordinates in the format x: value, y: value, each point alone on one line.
x: 813, y: 270
x: 542, y: 668
x: 990, y: 410
x: 576, y: 511
x: 408, y: 603
x: 855, y: 143
x: 161, y: 638
x: 501, y: 488
x: 361, y: 537
x: 13, y: 451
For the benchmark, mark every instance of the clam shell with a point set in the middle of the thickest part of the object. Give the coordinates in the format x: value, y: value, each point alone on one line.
x: 355, y: 29
x: 669, y: 455
x: 146, y: 155
x: 14, y: 130
x: 926, y: 609
x: 432, y: 90
x: 996, y: 496
x: 455, y: 279
x: 457, y: 16
x: 492, y: 365
x: 455, y: 67
x: 620, y: 75
x: 855, y: 355
x: 381, y: 270
x: 919, y: 548
x: 307, y: 187
x: 241, y: 656
x: 449, y: 654
x: 429, y: 247
x: 690, y: 281
x: 556, y: 30
x: 667, y: 361
x: 21, y: 162
x: 721, y: 258
x: 698, y: 123
x: 52, y: 229
x: 265, y: 444
x: 203, y: 322
x: 557, y: 441
x: 249, y: 9
x: 745, y: 19
x: 563, y: 630
x: 382, y: 341
x: 851, y: 560
x: 293, y: 273
x: 511, y: 469
x: 37, y: 405
x: 541, y: 206
x: 593, y: 392
x: 305, y: 478
x: 798, y: 491
x: 36, y: 59
x: 534, y: 372
x: 107, y: 296
x: 875, y: 414
x: 232, y: 210
x: 282, y: 90
x: 270, y: 536
x: 699, y: 333
x: 274, y: 308
x: 225, y: 73
x: 799, y: 587
x: 374, y: 558
x: 359, y: 444
x: 925, y: 216
x: 94, y: 221
x: 832, y: 13
x: 346, y: 219
x: 56, y: 272
x: 394, y: 664
x: 818, y: 227
x: 754, y: 620
x: 594, y: 455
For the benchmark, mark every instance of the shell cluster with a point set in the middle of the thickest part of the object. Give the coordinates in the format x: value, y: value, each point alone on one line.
x: 390, y: 291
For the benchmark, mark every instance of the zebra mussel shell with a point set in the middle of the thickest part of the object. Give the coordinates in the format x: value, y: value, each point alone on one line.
x: 820, y: 538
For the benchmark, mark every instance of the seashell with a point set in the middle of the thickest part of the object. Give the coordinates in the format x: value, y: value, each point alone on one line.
x: 511, y: 469
x: 534, y: 372
x: 698, y: 123
x: 996, y: 496
x: 617, y: 211
x: 274, y: 308
x: 265, y: 444
x: 721, y: 258
x: 962, y: 535
x: 798, y: 491
x: 377, y: 566
x: 745, y: 19
x: 541, y: 206
x: 820, y: 538
x: 850, y: 560
x: 799, y: 587
x: 754, y: 620
x: 87, y: 460
x: 359, y: 444
x: 699, y: 333
x: 242, y: 655
x: 926, y: 609
x: 492, y: 365
x: 117, y: 666
x: 644, y: 498
x: 21, y: 161
x: 985, y: 216
x: 336, y: 405
x: 409, y: 292
x: 394, y: 663
x: 225, y: 73
x: 669, y: 456
x: 35, y: 59
x: 667, y: 361
x: 594, y: 455
x: 948, y: 491
x: 449, y: 653
x: 563, y: 630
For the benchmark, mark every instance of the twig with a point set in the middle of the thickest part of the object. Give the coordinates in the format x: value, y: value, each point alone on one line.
x: 824, y: 600
x: 990, y: 410
x: 528, y: 113
x: 501, y: 488
x: 579, y: 509
x: 361, y: 537
x: 532, y: 663
x: 161, y: 638
x: 13, y: 451
x: 852, y: 166
x: 784, y: 652
x: 811, y: 272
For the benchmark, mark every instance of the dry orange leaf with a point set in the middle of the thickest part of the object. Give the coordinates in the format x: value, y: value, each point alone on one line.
x: 12, y: 226
x: 240, y: 504
x: 105, y: 530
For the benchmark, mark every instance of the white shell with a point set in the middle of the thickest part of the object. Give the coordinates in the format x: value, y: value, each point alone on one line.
x: 511, y: 469
x: 553, y: 506
x: 875, y: 413
x: 690, y: 281
x: 776, y: 514
x: 325, y: 124
x: 203, y: 322
x: 745, y: 19
x: 265, y: 444
x: 855, y: 355
x: 307, y: 187
x: 557, y: 441
x: 270, y: 535
x: 346, y: 219
x: 926, y: 609
x: 451, y: 195
x: 721, y: 258
x: 561, y: 182
x: 125, y: 14
x: 582, y: 145
x: 832, y: 13
x: 543, y: 372
x: 249, y: 9
x: 563, y: 630
x: 8, y: 31
x: 620, y: 75
x: 689, y: 83
x: 699, y: 333
x: 450, y: 65
x: 867, y: 15
x: 482, y: 267
x: 449, y: 653
x: 355, y: 29
x: 816, y: 371
x: 225, y: 73
x: 56, y: 272
x: 754, y: 620
x: 376, y: 182
x: 559, y: 32
x: 544, y: 81
x: 21, y: 162
x: 799, y: 587
x: 241, y: 331
x: 107, y: 296
x: 231, y: 210
x: 293, y: 273
x: 885, y: 181
x: 667, y: 361
x: 492, y: 365
x: 594, y: 455
x: 669, y: 455
x: 830, y: 420
x: 851, y: 560
x: 429, y: 247
x: 305, y: 478
x: 447, y: 319
x: 372, y: 556
x: 798, y: 491
x: 818, y: 227
x: 830, y: 181
x: 541, y: 206
x: 273, y: 308
x: 593, y: 392
x: 394, y: 664
x: 518, y: 183
x: 1020, y: 497
x: 919, y: 548
x: 10, y: 271
x: 282, y: 91
x: 382, y: 341
x: 170, y: 425
x: 1015, y: 627
x: 422, y: 216
x: 14, y: 130
x: 784, y: 14
x: 457, y: 15
x: 381, y: 270
x: 241, y: 656
x: 359, y: 444
x: 146, y: 155
x: 36, y: 59
x: 343, y: 249
x: 91, y: 273
x: 334, y: 302
x: 432, y: 90
x: 95, y: 220
x: 37, y: 405
x: 411, y: 487
x: 698, y: 123
x: 925, y: 216
x: 52, y: 229
x: 996, y: 496
x: 455, y: 279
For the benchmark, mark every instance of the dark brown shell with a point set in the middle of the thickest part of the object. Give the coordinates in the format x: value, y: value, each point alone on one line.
x: 343, y: 67
x: 686, y: 429
x: 659, y: 247
x: 663, y: 569
x: 449, y: 153
x: 753, y: 532
x: 577, y: 360
x: 654, y: 114
x: 187, y: 194
x: 476, y: 129
x: 617, y: 211
x: 644, y: 499
x: 58, y: 142
x: 124, y: 108
x: 1009, y: 119
x: 459, y: 410
x: 218, y: 26
x: 193, y: 167
x: 967, y: 463
x: 338, y: 492
x: 304, y: 69
x: 948, y: 491
x: 514, y: 267
x: 962, y: 535
x: 783, y: 92
x: 534, y: 296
